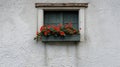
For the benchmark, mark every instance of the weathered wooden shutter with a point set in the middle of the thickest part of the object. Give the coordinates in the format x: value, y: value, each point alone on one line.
x: 71, y: 16
x: 53, y: 17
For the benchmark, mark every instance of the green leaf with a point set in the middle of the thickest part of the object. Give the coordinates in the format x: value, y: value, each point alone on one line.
x: 51, y: 29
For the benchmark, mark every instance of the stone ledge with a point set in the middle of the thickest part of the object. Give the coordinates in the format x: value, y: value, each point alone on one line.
x: 37, y: 5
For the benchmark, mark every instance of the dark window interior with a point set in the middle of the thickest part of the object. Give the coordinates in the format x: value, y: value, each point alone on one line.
x: 63, y: 17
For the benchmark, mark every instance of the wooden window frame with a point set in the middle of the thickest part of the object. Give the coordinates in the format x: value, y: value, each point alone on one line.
x: 63, y: 6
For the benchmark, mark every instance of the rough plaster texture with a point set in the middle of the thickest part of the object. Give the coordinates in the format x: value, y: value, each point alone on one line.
x: 18, y: 26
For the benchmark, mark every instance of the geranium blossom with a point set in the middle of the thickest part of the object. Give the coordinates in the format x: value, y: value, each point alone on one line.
x: 59, y: 30
x: 62, y: 33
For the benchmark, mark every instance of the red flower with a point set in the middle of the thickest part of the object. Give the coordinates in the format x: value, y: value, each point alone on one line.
x: 45, y: 33
x: 66, y: 25
x: 60, y: 25
x: 37, y: 33
x: 57, y: 28
x: 48, y: 26
x: 62, y: 33
x: 43, y: 28
x: 48, y: 31
x: 74, y: 31
x: 52, y: 26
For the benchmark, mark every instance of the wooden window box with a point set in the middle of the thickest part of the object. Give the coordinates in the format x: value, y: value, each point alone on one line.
x: 72, y: 38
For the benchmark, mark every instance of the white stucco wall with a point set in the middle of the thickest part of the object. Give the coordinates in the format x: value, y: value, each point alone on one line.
x: 101, y: 47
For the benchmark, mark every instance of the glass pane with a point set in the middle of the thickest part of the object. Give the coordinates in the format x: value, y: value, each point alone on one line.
x: 52, y: 17
x: 70, y: 16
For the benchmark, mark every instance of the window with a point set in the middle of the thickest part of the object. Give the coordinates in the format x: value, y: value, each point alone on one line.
x: 61, y: 17
x: 51, y: 13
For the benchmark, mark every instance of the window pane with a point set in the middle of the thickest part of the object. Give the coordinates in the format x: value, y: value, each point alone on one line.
x: 70, y: 16
x: 52, y: 17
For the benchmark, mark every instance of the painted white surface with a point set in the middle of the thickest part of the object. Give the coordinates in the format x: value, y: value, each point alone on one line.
x: 101, y: 47
x: 82, y: 23
x: 40, y: 19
